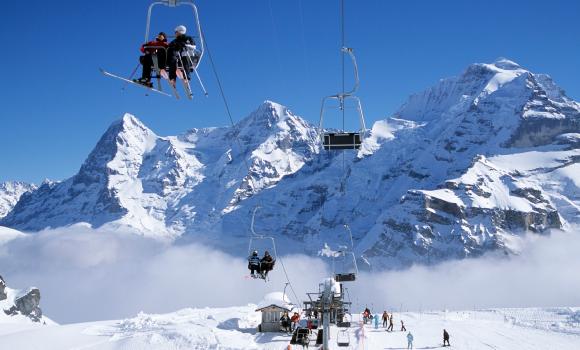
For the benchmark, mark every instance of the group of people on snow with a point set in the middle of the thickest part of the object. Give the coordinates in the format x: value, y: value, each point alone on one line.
x: 179, y: 53
x: 389, y: 324
x: 289, y: 324
x: 259, y: 267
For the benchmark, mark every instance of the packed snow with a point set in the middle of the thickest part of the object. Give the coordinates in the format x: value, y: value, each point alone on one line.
x: 236, y: 328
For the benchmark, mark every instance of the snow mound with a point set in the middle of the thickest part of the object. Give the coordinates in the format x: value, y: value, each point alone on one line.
x: 277, y: 299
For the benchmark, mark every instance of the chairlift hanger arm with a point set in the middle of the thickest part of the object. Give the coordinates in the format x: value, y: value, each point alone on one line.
x: 176, y: 3
x: 350, y: 52
x: 253, y: 220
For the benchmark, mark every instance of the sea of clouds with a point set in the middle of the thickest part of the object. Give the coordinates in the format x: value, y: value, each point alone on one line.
x: 86, y: 274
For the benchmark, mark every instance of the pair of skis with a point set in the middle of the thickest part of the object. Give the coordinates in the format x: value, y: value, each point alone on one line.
x: 257, y: 277
x: 180, y: 75
x: 150, y: 88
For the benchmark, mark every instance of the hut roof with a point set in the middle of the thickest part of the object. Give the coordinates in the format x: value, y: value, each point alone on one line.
x: 277, y: 299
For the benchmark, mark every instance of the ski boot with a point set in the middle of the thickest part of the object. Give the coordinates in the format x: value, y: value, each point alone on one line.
x: 144, y: 81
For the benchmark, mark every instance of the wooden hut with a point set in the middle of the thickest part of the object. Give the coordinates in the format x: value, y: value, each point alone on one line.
x: 272, y: 308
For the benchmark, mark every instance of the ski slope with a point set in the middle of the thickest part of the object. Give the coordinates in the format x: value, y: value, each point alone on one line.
x: 235, y: 328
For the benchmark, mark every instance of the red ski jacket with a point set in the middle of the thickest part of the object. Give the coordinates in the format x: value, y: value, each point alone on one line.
x: 154, y: 43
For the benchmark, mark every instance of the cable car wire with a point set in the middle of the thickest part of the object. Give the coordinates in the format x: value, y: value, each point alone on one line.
x: 227, y: 107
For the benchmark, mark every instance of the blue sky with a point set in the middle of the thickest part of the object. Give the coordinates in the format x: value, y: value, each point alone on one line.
x: 55, y: 104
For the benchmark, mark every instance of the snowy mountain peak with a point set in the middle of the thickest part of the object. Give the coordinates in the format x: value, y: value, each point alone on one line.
x: 128, y: 123
x: 507, y: 64
x: 265, y: 117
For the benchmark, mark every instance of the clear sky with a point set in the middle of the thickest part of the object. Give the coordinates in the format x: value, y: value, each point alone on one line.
x: 55, y: 104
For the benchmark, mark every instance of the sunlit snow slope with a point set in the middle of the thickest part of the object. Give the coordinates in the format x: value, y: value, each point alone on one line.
x: 235, y: 328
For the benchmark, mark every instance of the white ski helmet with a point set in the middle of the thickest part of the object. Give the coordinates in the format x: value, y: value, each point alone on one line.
x: 181, y: 29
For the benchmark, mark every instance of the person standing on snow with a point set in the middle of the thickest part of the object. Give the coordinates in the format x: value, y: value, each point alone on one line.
x: 285, y: 322
x: 403, y: 329
x: 376, y: 320
x: 385, y: 318
x: 409, y: 340
x: 391, y: 325
x: 254, y: 263
x: 177, y: 49
x: 155, y: 48
x: 446, y: 338
x: 367, y: 315
x: 295, y: 319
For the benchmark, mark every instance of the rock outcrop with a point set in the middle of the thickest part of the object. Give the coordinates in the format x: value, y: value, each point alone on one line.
x: 26, y: 304
x: 3, y: 294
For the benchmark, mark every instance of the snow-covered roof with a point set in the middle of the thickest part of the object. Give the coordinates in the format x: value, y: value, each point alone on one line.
x: 278, y: 299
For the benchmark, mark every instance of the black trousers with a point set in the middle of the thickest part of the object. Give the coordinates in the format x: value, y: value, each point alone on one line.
x: 173, y: 58
x: 253, y: 267
x: 147, y: 62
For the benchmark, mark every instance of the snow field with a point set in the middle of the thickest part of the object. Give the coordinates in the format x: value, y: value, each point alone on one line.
x: 235, y: 328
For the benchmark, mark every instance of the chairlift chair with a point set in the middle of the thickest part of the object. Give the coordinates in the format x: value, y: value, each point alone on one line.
x: 341, y: 140
x: 189, y: 60
x: 301, y: 336
x: 349, y: 269
x: 252, y: 246
x: 343, y: 338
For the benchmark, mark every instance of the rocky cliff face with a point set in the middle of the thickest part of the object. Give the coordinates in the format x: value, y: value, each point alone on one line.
x: 10, y: 193
x: 3, y: 294
x: 461, y: 169
x: 20, y: 306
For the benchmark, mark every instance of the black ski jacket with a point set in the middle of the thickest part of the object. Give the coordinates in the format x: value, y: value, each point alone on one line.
x: 179, y: 42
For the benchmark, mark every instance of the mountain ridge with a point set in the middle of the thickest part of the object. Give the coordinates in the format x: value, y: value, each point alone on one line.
x: 415, y: 192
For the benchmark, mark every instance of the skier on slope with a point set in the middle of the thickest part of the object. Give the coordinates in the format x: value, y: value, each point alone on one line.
x: 403, y: 328
x: 182, y: 45
x: 446, y: 338
x: 391, y: 325
x: 409, y: 340
x: 155, y: 48
x: 367, y: 316
x: 385, y: 318
x: 254, y: 263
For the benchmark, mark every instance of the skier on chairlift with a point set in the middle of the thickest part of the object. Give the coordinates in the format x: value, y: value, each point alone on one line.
x: 266, y: 264
x: 254, y: 263
x: 182, y: 47
x: 151, y: 50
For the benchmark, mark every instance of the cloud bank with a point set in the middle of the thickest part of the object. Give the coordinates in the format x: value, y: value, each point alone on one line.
x: 87, y: 275
x: 544, y: 274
